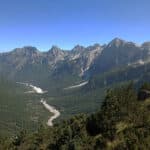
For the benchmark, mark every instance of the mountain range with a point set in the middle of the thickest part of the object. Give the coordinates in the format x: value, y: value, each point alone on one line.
x: 76, y: 80
x: 80, y: 63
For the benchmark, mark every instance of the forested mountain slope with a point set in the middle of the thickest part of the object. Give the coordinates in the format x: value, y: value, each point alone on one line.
x: 123, y: 122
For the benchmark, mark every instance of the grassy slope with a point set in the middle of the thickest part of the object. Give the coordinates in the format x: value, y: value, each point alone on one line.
x: 24, y: 111
x: 122, y: 123
x: 19, y: 110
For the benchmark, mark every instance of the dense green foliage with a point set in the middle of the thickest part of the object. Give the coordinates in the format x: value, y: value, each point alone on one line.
x: 20, y: 110
x: 138, y: 74
x: 122, y: 123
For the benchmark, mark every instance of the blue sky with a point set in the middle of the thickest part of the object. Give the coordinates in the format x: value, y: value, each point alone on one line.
x: 65, y: 23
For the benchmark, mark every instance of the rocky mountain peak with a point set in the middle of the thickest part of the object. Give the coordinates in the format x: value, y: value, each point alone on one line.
x: 78, y: 48
x: 55, y: 48
x: 27, y: 50
x: 94, y: 47
x: 117, y: 42
x: 146, y: 45
x: 30, y: 48
x: 55, y: 51
x: 80, y: 60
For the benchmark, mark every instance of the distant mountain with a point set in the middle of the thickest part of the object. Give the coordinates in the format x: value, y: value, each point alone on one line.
x: 119, y: 53
x: 28, y: 63
x: 76, y: 80
x: 146, y: 45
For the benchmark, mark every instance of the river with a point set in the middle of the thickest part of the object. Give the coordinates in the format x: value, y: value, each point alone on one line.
x: 50, y: 108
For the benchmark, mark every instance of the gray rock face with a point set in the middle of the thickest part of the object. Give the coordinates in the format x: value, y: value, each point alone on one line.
x: 119, y: 53
x: 116, y: 43
x: 21, y: 56
x: 54, y: 55
x: 80, y: 61
x: 146, y: 46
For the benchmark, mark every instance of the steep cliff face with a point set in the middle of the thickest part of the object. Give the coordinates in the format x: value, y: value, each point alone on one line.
x: 146, y: 46
x: 80, y: 61
x: 119, y: 53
